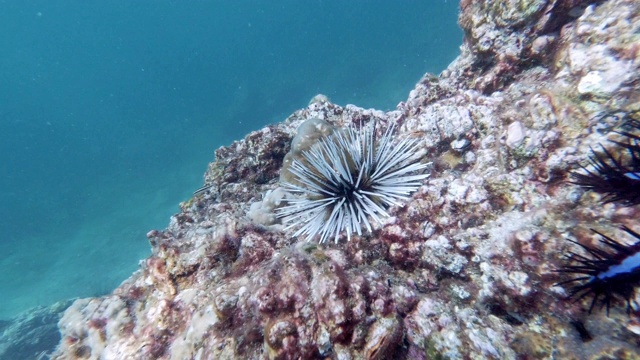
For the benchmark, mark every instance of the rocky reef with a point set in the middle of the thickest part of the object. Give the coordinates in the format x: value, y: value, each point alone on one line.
x: 463, y: 270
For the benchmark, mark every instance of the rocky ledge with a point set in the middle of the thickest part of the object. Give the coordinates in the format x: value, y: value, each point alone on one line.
x: 464, y: 269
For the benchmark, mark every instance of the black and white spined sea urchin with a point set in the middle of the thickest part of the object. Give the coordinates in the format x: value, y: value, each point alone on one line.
x: 347, y: 178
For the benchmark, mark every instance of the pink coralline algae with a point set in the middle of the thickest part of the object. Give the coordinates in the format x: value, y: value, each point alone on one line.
x: 464, y: 268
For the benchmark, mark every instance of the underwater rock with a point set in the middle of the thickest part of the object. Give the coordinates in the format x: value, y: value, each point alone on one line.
x: 464, y: 268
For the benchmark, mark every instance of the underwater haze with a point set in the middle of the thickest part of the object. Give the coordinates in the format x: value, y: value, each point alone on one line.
x: 111, y: 110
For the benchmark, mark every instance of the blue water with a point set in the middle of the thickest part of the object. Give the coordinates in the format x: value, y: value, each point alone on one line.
x: 111, y: 110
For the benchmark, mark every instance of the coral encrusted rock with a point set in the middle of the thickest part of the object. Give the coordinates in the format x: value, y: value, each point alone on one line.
x: 463, y: 269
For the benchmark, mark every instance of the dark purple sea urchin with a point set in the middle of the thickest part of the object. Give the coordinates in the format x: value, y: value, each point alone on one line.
x: 347, y: 178
x: 618, y: 179
x: 609, y: 273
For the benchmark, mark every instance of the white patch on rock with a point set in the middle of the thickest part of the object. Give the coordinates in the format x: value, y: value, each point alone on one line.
x: 515, y: 134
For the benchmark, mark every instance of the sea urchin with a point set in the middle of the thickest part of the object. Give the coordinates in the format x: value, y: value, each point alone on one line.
x: 347, y: 178
x: 605, y: 273
x: 618, y: 179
